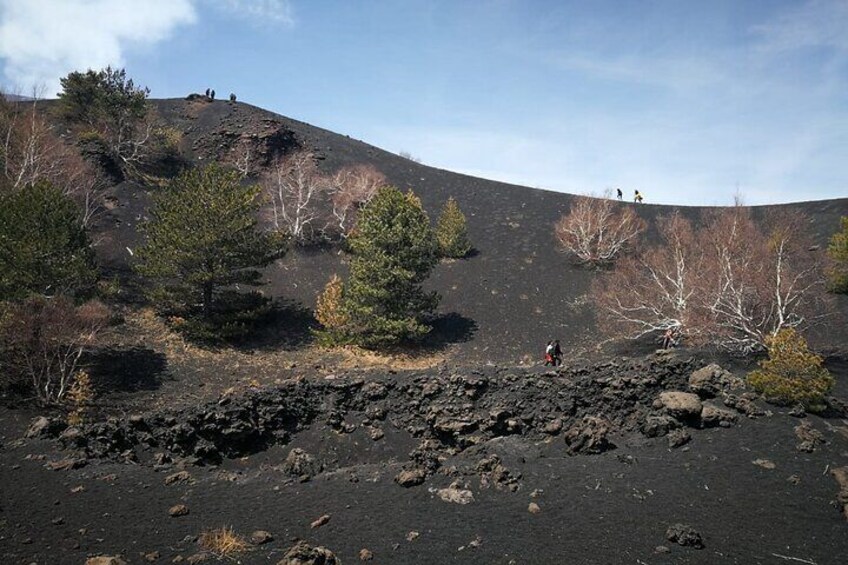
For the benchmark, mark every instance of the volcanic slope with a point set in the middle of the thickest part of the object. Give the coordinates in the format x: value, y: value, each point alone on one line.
x: 501, y: 304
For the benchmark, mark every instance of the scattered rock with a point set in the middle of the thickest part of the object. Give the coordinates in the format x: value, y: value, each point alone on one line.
x: 304, y: 554
x: 365, y: 555
x: 661, y: 549
x: 376, y: 434
x: 589, y: 436
x: 152, y: 556
x: 554, y: 426
x: 682, y: 405
x: 178, y: 510
x: 533, y: 508
x: 712, y: 416
x: 197, y: 558
x: 684, y: 535
x: 65, y: 464
x: 412, y: 536
x: 808, y: 437
x: 43, y: 427
x: 299, y: 463
x: 318, y: 522
x: 841, y: 476
x: 677, y: 438
x: 658, y: 426
x: 105, y: 560
x: 180, y: 477
x: 764, y: 463
x: 456, y: 493
x: 261, y: 536
x: 798, y: 411
x: 794, y: 479
x: 709, y: 381
x: 410, y: 478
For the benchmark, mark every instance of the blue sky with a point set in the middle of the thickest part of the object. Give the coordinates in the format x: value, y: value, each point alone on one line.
x: 688, y: 101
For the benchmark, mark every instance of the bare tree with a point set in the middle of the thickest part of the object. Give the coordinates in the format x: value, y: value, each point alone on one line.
x: 350, y: 189
x: 294, y: 187
x: 31, y: 152
x: 598, y: 230
x: 656, y: 290
x: 758, y: 283
x: 45, y: 339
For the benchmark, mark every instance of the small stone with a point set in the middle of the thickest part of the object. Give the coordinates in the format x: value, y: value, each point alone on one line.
x: 180, y: 477
x: 105, y: 560
x: 376, y: 434
x: 178, y: 510
x: 365, y: 555
x: 794, y: 479
x: 661, y: 549
x: 260, y: 536
x: 412, y: 536
x: 317, y: 523
x: 152, y: 556
x: 410, y: 478
x: 77, y: 489
x: 533, y: 508
x: 764, y: 463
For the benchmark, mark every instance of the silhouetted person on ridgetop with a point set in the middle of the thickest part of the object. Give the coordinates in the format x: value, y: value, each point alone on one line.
x: 637, y: 197
x: 619, y: 193
x: 212, y: 95
x: 232, y: 97
x: 207, y: 93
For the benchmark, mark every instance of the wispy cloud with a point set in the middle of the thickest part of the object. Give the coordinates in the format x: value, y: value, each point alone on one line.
x: 43, y: 40
x: 816, y: 23
x: 262, y: 12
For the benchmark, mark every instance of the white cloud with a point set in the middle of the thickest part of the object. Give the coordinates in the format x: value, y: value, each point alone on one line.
x: 259, y: 11
x: 42, y: 40
x: 816, y: 23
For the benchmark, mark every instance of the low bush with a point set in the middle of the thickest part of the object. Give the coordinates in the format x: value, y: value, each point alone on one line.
x: 792, y: 374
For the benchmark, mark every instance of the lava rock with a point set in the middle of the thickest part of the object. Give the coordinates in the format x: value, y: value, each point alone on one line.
x: 411, y: 477
x: 304, y: 554
x: 589, y: 436
x: 712, y: 416
x: 684, y: 535
x: 682, y: 405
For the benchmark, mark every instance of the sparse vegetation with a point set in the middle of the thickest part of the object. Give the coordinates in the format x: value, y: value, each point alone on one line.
x: 80, y: 397
x: 330, y: 313
x: 44, y: 249
x: 43, y: 340
x: 394, y: 250
x: 452, y: 231
x: 295, y: 188
x: 202, y: 243
x: 837, y: 252
x: 596, y: 231
x: 223, y: 542
x: 792, y: 373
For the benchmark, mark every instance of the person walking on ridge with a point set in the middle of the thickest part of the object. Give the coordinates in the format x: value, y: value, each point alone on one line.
x: 637, y: 197
x: 549, y: 354
x: 619, y: 193
x: 557, y: 354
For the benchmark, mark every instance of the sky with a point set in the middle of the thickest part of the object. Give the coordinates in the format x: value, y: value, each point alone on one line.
x: 690, y: 102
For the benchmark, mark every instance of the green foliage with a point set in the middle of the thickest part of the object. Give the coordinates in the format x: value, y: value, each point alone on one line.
x: 792, y: 374
x: 838, y: 253
x: 43, y: 247
x: 394, y: 250
x: 452, y: 232
x: 202, y: 241
x: 107, y: 95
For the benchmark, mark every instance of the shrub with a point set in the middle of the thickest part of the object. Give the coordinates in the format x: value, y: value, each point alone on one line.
x: 80, y: 396
x: 43, y: 340
x: 792, y: 374
x: 44, y: 248
x: 452, y: 232
x: 837, y: 251
x: 222, y: 541
x: 330, y: 313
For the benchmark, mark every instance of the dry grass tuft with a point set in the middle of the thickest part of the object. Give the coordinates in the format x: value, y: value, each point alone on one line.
x: 222, y: 541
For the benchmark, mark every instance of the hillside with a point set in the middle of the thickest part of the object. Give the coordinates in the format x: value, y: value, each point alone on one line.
x: 501, y: 304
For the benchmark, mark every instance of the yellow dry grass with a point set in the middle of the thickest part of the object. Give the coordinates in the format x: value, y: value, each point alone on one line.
x: 222, y: 541
x: 358, y: 358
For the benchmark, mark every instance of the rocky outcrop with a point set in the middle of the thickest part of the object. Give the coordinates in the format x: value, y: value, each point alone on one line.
x: 304, y: 554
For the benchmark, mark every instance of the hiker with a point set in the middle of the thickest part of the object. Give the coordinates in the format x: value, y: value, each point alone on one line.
x: 549, y: 354
x: 670, y: 338
x: 619, y: 194
x: 207, y: 93
x: 212, y: 94
x: 557, y: 354
x: 232, y: 97
x: 637, y: 197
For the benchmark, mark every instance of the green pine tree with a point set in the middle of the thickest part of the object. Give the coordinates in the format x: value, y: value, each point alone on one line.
x: 202, y: 241
x: 838, y: 253
x: 452, y: 232
x: 44, y: 250
x: 394, y: 250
